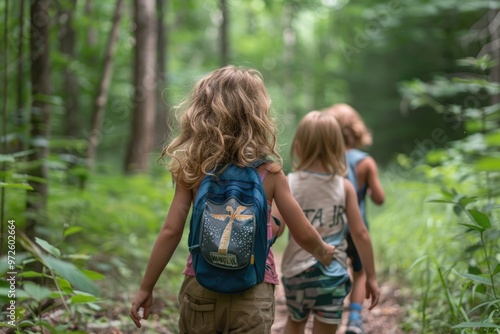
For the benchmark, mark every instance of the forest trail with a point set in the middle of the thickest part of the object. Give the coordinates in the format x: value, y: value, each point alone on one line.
x: 383, y: 319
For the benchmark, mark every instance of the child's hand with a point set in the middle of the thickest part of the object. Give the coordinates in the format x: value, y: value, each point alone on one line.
x: 326, y: 256
x: 144, y: 300
x: 372, y: 291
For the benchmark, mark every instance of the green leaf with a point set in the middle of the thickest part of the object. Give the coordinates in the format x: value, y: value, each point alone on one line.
x: 93, y: 275
x: 48, y: 247
x: 436, y: 156
x: 497, y: 269
x: 485, y: 305
x: 457, y: 210
x: 72, y: 230
x: 45, y: 324
x: 31, y: 274
x: 493, y: 139
x: 64, y: 285
x: 36, y: 291
x: 441, y: 200
x: 473, y: 227
x: 7, y: 158
x: 480, y: 288
x: 83, y: 298
x: 480, y: 218
x: 15, y: 186
x: 491, y: 164
x: 473, y: 270
x: 70, y: 272
x: 447, y: 193
x: 467, y: 200
x: 476, y: 324
x: 94, y: 306
x: 477, y: 278
x: 20, y: 293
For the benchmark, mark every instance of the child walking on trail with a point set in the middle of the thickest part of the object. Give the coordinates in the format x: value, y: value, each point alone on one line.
x: 363, y: 174
x: 330, y: 203
x: 226, y: 119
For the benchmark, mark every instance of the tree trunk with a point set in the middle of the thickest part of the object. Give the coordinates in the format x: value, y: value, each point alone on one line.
x: 142, y: 132
x: 162, y: 104
x: 102, y: 93
x: 5, y: 95
x: 67, y: 38
x: 224, y: 35
x: 40, y: 114
x: 289, y: 41
x: 494, y: 18
x: 20, y: 114
x: 91, y: 32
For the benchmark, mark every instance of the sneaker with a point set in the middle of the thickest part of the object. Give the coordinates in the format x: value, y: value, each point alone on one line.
x: 355, y: 326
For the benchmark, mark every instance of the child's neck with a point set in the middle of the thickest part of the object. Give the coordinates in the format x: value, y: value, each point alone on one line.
x: 317, y: 167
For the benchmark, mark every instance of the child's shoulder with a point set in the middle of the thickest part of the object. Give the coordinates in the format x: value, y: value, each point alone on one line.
x: 356, y: 153
x: 271, y: 167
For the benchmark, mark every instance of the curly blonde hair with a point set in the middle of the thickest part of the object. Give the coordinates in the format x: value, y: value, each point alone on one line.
x: 313, y: 142
x: 225, y: 119
x: 356, y: 134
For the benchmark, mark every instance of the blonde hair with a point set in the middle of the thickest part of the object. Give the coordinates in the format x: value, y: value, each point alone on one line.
x: 318, y: 137
x: 356, y: 134
x: 225, y: 119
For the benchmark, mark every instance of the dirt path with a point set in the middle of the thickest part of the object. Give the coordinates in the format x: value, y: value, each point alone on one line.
x: 383, y: 319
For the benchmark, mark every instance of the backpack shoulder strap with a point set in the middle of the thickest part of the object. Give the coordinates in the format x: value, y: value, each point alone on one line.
x: 257, y: 163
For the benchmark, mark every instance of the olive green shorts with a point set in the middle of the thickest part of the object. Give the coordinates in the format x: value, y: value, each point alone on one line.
x: 206, y: 311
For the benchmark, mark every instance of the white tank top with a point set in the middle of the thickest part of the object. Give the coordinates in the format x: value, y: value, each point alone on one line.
x: 322, y: 199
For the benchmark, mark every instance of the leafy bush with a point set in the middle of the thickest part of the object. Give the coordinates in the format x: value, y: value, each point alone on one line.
x: 454, y: 248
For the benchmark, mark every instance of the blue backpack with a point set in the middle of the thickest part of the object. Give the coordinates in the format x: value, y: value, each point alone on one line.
x: 228, y: 230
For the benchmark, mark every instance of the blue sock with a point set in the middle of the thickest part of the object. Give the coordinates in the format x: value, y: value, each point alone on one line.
x: 355, y: 311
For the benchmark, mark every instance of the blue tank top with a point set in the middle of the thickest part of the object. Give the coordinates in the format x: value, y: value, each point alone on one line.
x: 354, y: 157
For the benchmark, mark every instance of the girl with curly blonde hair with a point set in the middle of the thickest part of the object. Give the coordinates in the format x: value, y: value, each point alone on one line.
x: 226, y: 119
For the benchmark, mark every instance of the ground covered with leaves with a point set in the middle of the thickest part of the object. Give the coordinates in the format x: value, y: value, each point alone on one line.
x: 386, y: 318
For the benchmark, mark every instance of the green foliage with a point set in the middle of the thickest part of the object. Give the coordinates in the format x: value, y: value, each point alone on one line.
x: 40, y: 282
x: 108, y: 226
x: 460, y: 282
x: 10, y: 176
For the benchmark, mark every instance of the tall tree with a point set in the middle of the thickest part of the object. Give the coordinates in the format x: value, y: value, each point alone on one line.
x: 494, y: 27
x: 91, y: 32
x: 40, y: 113
x: 5, y: 94
x: 20, y: 118
x: 289, y: 42
x: 102, y: 92
x: 141, y: 139
x: 224, y: 33
x: 67, y: 40
x: 161, y: 118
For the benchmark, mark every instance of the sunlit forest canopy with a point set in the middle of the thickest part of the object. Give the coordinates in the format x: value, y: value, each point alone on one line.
x: 312, y: 54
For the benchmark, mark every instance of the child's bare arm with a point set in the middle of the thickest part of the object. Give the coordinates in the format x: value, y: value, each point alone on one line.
x: 375, y: 189
x: 165, y: 245
x: 362, y: 242
x: 300, y: 228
